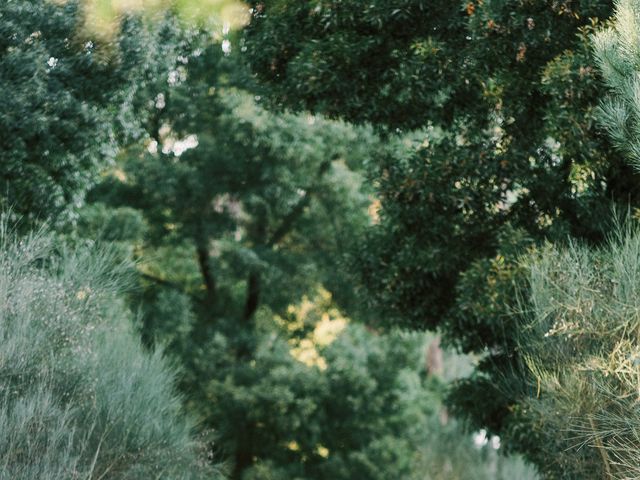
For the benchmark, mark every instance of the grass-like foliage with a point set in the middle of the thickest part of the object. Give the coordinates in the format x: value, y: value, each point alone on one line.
x: 79, y: 397
x: 581, y: 345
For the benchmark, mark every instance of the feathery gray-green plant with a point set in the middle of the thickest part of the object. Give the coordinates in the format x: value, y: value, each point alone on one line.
x: 79, y: 397
x: 581, y: 347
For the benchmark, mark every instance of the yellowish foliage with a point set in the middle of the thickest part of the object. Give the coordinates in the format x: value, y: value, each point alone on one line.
x: 322, y: 451
x: 327, y: 322
x: 102, y: 16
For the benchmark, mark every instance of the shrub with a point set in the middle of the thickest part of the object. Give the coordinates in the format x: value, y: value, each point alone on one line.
x: 580, y: 344
x: 79, y: 397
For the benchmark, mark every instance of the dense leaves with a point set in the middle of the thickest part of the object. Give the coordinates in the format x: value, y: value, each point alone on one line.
x: 508, y: 154
x: 385, y: 62
x: 68, y: 101
x: 252, y: 194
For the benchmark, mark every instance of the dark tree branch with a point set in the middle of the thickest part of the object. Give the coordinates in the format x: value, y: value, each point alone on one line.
x: 202, y: 252
x: 297, y: 211
x: 253, y: 296
x: 254, y: 281
x: 162, y: 282
x: 244, y: 450
x: 289, y: 220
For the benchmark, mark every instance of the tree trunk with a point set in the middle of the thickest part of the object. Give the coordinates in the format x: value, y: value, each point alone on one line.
x: 202, y: 252
x: 243, y: 457
x: 253, y: 296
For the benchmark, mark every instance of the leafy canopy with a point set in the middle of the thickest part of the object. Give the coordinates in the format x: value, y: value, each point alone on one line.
x: 495, y: 107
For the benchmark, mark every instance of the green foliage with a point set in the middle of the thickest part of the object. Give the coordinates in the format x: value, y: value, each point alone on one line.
x: 377, y: 61
x: 277, y: 198
x: 508, y: 155
x: 79, y: 397
x: 98, y: 221
x: 354, y: 419
x: 255, y: 212
x: 579, y: 345
x: 367, y: 410
x: 410, y: 62
x: 243, y: 213
x: 616, y: 50
x: 69, y: 99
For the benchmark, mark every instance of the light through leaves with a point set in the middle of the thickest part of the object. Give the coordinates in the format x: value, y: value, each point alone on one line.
x: 102, y: 17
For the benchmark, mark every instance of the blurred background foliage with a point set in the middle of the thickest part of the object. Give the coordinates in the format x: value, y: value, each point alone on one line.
x: 103, y: 17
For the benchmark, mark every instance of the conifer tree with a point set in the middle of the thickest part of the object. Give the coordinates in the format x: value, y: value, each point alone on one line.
x: 579, y: 342
x: 616, y: 49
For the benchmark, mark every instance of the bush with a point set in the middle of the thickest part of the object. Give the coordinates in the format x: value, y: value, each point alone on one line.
x: 580, y: 345
x: 79, y: 398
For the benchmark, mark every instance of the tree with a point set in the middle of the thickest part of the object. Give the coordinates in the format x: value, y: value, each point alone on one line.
x: 256, y: 212
x: 70, y: 99
x: 274, y: 196
x: 243, y: 213
x: 508, y: 154
x: 615, y: 48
